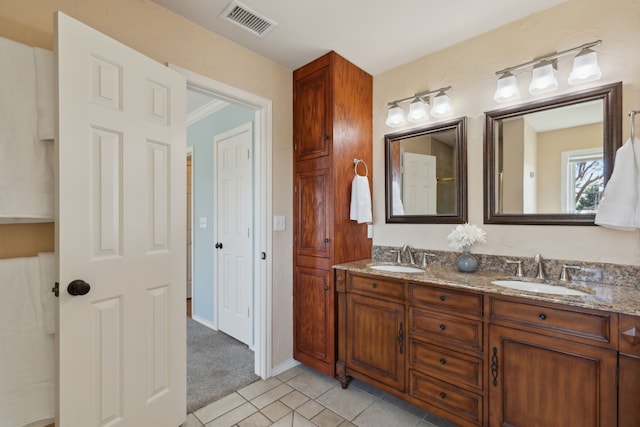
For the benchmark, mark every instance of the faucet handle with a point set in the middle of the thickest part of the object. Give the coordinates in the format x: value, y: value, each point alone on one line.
x: 564, y: 274
x: 519, y: 269
x: 398, y: 253
x: 424, y: 258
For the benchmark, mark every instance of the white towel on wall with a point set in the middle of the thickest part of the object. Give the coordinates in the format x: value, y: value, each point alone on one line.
x: 45, y: 93
x: 47, y: 281
x: 26, y: 163
x: 26, y: 349
x: 360, y: 200
x: 620, y: 205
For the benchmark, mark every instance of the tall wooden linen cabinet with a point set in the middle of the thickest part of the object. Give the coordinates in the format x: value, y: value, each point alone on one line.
x: 332, y: 126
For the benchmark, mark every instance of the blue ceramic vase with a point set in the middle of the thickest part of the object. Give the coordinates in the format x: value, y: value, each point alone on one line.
x: 466, y: 262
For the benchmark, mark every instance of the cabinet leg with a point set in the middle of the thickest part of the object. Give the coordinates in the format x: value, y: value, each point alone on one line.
x: 341, y: 375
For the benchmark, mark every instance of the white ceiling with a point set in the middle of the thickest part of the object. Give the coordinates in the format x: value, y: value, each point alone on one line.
x: 375, y: 35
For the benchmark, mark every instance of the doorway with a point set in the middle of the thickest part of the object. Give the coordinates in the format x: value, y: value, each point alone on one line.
x: 261, y: 110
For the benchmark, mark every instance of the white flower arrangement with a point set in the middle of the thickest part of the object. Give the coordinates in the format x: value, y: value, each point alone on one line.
x: 465, y: 235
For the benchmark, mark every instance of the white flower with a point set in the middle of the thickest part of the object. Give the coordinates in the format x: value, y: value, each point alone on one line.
x: 465, y: 235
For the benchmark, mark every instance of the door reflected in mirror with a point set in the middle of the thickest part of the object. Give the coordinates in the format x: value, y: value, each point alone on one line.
x: 426, y: 174
x: 547, y: 162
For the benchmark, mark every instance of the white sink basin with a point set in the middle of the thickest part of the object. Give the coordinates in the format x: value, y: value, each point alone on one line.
x: 538, y: 287
x: 397, y: 268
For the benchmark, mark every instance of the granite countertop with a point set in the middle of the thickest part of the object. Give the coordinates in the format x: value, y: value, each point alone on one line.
x: 615, y: 298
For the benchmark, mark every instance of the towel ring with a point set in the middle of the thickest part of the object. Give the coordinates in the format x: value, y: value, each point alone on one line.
x: 356, y: 162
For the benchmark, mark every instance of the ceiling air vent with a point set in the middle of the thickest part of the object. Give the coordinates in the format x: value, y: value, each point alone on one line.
x: 248, y: 19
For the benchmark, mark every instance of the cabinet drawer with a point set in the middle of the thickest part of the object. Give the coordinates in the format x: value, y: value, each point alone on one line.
x: 629, y: 334
x: 447, y: 329
x: 446, y: 364
x: 586, y: 324
x: 460, y: 403
x: 446, y: 299
x: 373, y: 286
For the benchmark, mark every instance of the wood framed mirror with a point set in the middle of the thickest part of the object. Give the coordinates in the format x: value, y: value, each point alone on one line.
x: 547, y: 162
x: 426, y: 174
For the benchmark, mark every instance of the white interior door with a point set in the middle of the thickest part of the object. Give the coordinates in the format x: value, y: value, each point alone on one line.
x: 234, y: 232
x: 419, y: 184
x: 120, y: 228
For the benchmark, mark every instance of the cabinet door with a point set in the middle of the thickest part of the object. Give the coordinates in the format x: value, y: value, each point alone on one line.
x: 312, y: 214
x: 375, y: 337
x: 629, y: 392
x: 313, y: 316
x: 536, y: 380
x: 311, y: 119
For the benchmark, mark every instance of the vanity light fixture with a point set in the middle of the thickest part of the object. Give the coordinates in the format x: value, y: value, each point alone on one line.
x: 507, y: 88
x: 543, y: 78
x: 418, y: 108
x: 585, y: 69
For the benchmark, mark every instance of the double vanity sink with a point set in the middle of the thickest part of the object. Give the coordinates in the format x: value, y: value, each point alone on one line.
x: 482, y: 349
x: 520, y: 285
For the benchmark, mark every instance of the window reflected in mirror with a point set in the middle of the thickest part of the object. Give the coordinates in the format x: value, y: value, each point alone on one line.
x: 425, y: 177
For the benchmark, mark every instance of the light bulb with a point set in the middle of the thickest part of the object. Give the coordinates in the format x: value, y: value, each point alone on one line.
x: 395, y: 117
x: 585, y: 68
x: 417, y: 111
x: 441, y: 105
x: 543, y: 79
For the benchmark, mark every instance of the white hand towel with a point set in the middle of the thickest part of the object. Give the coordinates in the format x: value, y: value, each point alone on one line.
x: 619, y: 208
x: 45, y: 93
x: 360, y: 200
x: 26, y: 163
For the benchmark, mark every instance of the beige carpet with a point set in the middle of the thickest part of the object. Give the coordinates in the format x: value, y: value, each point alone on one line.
x: 217, y: 365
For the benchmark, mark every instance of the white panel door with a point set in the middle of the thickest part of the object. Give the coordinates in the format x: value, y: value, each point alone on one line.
x: 234, y: 232
x: 419, y: 184
x: 121, y: 229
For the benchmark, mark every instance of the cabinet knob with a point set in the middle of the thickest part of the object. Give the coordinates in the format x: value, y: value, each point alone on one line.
x: 442, y: 298
x: 326, y: 288
x: 442, y: 395
x: 374, y: 285
x: 542, y: 316
x: 442, y: 327
x: 442, y: 361
x: 326, y: 240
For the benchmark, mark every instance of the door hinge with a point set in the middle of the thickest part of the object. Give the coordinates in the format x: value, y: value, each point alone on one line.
x: 56, y: 289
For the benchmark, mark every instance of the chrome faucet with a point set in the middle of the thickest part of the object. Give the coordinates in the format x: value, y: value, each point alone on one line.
x: 540, y: 269
x: 406, y: 248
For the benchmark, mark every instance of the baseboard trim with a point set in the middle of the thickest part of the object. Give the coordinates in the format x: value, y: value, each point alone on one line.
x: 204, y: 322
x: 277, y: 370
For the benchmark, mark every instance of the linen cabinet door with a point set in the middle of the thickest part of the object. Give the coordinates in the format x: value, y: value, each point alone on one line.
x: 536, y: 380
x: 375, y: 336
x: 312, y: 117
x: 314, y: 322
x: 312, y: 216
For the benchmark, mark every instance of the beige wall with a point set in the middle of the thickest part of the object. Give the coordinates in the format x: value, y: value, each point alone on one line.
x: 550, y: 147
x: 470, y: 68
x: 165, y: 37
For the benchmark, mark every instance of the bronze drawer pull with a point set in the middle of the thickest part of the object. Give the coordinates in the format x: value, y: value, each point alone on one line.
x: 442, y: 395
x: 442, y: 361
x: 442, y: 327
x: 374, y: 285
x: 542, y: 316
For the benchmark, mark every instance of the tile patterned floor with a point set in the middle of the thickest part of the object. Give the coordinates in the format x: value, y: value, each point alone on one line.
x: 301, y: 397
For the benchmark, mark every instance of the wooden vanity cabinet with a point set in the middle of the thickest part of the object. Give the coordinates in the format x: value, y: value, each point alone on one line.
x: 550, y: 364
x: 446, y: 353
x: 332, y: 126
x: 629, y: 371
